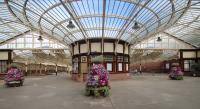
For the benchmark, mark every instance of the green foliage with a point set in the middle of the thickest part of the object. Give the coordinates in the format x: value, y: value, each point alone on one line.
x: 12, y: 65
x: 179, y: 78
x: 97, y: 59
x: 97, y: 91
x: 105, y: 91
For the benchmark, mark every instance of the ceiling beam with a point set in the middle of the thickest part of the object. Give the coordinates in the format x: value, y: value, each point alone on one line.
x: 103, y: 25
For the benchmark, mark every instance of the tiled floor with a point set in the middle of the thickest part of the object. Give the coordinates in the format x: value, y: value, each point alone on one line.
x: 140, y: 92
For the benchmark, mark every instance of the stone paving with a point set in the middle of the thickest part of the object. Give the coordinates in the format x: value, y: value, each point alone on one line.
x: 140, y: 92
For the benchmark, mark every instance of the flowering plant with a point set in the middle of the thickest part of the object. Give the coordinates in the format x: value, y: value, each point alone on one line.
x: 97, y: 76
x: 176, y: 73
x: 14, y: 74
x: 97, y: 81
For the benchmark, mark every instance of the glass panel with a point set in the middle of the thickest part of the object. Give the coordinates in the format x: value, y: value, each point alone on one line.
x: 108, y: 58
x: 75, y: 67
x: 186, y: 65
x: 119, y: 67
x: 127, y: 67
x: 109, y: 66
x: 3, y: 66
x: 167, y: 66
x: 119, y: 58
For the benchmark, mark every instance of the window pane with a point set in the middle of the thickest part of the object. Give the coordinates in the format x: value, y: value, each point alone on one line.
x: 108, y: 58
x: 127, y: 67
x: 120, y: 67
x: 120, y: 58
x: 109, y: 66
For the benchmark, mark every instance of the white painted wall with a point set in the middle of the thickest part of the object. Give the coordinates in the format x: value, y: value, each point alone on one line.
x: 76, y: 49
x: 108, y: 47
x: 3, y: 55
x: 95, y: 47
x: 119, y: 48
x: 126, y: 49
x: 198, y: 54
x: 189, y: 54
x: 83, y: 48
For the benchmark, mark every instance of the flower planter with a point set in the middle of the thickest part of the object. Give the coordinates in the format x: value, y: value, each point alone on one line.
x: 176, y: 74
x: 97, y: 83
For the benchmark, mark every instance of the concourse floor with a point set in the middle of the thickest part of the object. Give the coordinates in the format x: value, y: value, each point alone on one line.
x: 140, y: 92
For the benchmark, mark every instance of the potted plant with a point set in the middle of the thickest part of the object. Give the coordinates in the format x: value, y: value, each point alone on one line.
x: 176, y: 73
x: 14, y: 76
x: 97, y: 83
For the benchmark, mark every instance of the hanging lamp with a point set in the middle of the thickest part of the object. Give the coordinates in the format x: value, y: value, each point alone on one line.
x: 136, y: 26
x: 40, y: 38
x: 70, y: 25
x: 159, y: 39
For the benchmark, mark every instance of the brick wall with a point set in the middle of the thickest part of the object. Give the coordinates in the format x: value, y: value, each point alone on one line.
x: 120, y: 76
x: 149, y: 66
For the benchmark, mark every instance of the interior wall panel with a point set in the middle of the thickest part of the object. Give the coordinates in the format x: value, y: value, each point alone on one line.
x: 119, y: 48
x: 108, y: 47
x: 95, y: 47
x: 3, y: 55
x: 83, y: 48
x: 189, y: 54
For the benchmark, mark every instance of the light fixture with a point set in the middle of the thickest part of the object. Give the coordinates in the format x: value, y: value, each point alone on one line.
x: 40, y: 38
x: 136, y: 26
x: 70, y: 25
x: 159, y: 39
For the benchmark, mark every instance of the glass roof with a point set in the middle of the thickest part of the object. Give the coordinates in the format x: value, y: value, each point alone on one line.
x: 9, y: 25
x: 188, y: 27
x: 101, y: 19
x: 167, y: 42
x: 30, y: 41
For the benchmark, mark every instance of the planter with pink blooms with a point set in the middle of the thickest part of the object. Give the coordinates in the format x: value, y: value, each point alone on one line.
x: 14, y: 76
x: 176, y: 73
x: 97, y: 83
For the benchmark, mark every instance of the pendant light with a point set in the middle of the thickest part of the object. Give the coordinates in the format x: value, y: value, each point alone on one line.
x: 70, y: 25
x: 159, y: 39
x: 136, y: 26
x: 40, y: 38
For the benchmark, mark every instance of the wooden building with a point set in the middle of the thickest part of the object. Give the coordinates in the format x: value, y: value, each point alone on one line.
x: 116, y: 57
